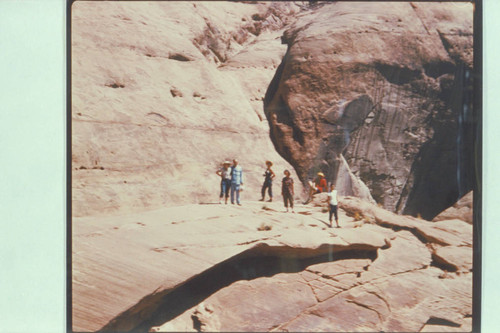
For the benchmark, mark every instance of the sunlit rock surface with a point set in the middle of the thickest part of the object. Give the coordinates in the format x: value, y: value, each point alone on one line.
x: 163, y: 92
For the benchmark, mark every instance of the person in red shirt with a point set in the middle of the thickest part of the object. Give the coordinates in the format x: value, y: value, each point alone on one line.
x: 319, y: 186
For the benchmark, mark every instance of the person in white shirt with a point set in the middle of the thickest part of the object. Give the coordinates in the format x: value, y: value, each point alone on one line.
x: 225, y: 180
x: 333, y: 205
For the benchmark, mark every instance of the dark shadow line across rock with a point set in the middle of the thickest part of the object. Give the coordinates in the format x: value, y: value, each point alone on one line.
x: 261, y: 260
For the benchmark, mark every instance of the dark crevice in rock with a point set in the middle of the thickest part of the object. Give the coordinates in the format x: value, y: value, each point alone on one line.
x: 260, y: 261
x: 444, y: 169
x: 156, y: 114
x: 441, y: 322
x: 257, y: 17
x: 421, y: 237
x: 386, y: 246
x: 175, y: 92
x: 396, y: 74
x: 91, y: 168
x: 115, y: 85
x: 437, y: 68
x: 442, y: 264
x: 179, y: 57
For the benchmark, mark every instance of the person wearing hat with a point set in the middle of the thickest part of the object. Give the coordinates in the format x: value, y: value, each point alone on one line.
x: 319, y: 186
x: 268, y: 182
x: 225, y: 180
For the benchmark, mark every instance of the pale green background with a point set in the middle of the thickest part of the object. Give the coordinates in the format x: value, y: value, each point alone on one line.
x: 33, y: 166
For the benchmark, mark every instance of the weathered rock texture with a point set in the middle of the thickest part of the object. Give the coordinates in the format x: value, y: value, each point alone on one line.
x: 386, y: 85
x: 216, y: 268
x: 162, y: 93
x: 376, y: 95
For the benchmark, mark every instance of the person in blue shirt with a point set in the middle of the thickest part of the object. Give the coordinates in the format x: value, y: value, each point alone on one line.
x: 236, y: 181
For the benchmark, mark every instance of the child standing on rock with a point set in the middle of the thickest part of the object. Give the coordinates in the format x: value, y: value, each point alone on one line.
x: 287, y: 190
x: 268, y: 182
x: 333, y: 205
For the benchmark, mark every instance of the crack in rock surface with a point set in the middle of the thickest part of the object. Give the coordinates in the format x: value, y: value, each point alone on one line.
x: 364, y: 92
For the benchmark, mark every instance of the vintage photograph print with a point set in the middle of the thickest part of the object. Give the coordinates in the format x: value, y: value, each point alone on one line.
x: 297, y: 166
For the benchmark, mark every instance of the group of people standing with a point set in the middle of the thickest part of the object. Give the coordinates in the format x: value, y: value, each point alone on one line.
x: 287, y: 190
x: 232, y: 182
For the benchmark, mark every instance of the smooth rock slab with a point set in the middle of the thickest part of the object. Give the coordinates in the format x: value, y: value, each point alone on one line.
x: 124, y: 265
x: 450, y: 232
x: 458, y: 257
x: 404, y: 295
x: 244, y: 308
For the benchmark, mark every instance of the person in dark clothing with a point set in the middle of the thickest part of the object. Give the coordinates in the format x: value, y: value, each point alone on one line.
x: 268, y: 182
x: 287, y: 190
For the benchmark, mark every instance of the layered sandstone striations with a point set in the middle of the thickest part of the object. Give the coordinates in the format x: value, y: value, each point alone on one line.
x: 255, y: 268
x: 376, y: 95
x: 387, y: 86
x: 162, y: 93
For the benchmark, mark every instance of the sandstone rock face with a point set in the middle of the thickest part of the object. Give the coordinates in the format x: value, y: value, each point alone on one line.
x: 214, y: 268
x: 163, y: 93
x: 375, y: 95
x: 388, y: 87
x: 462, y: 210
